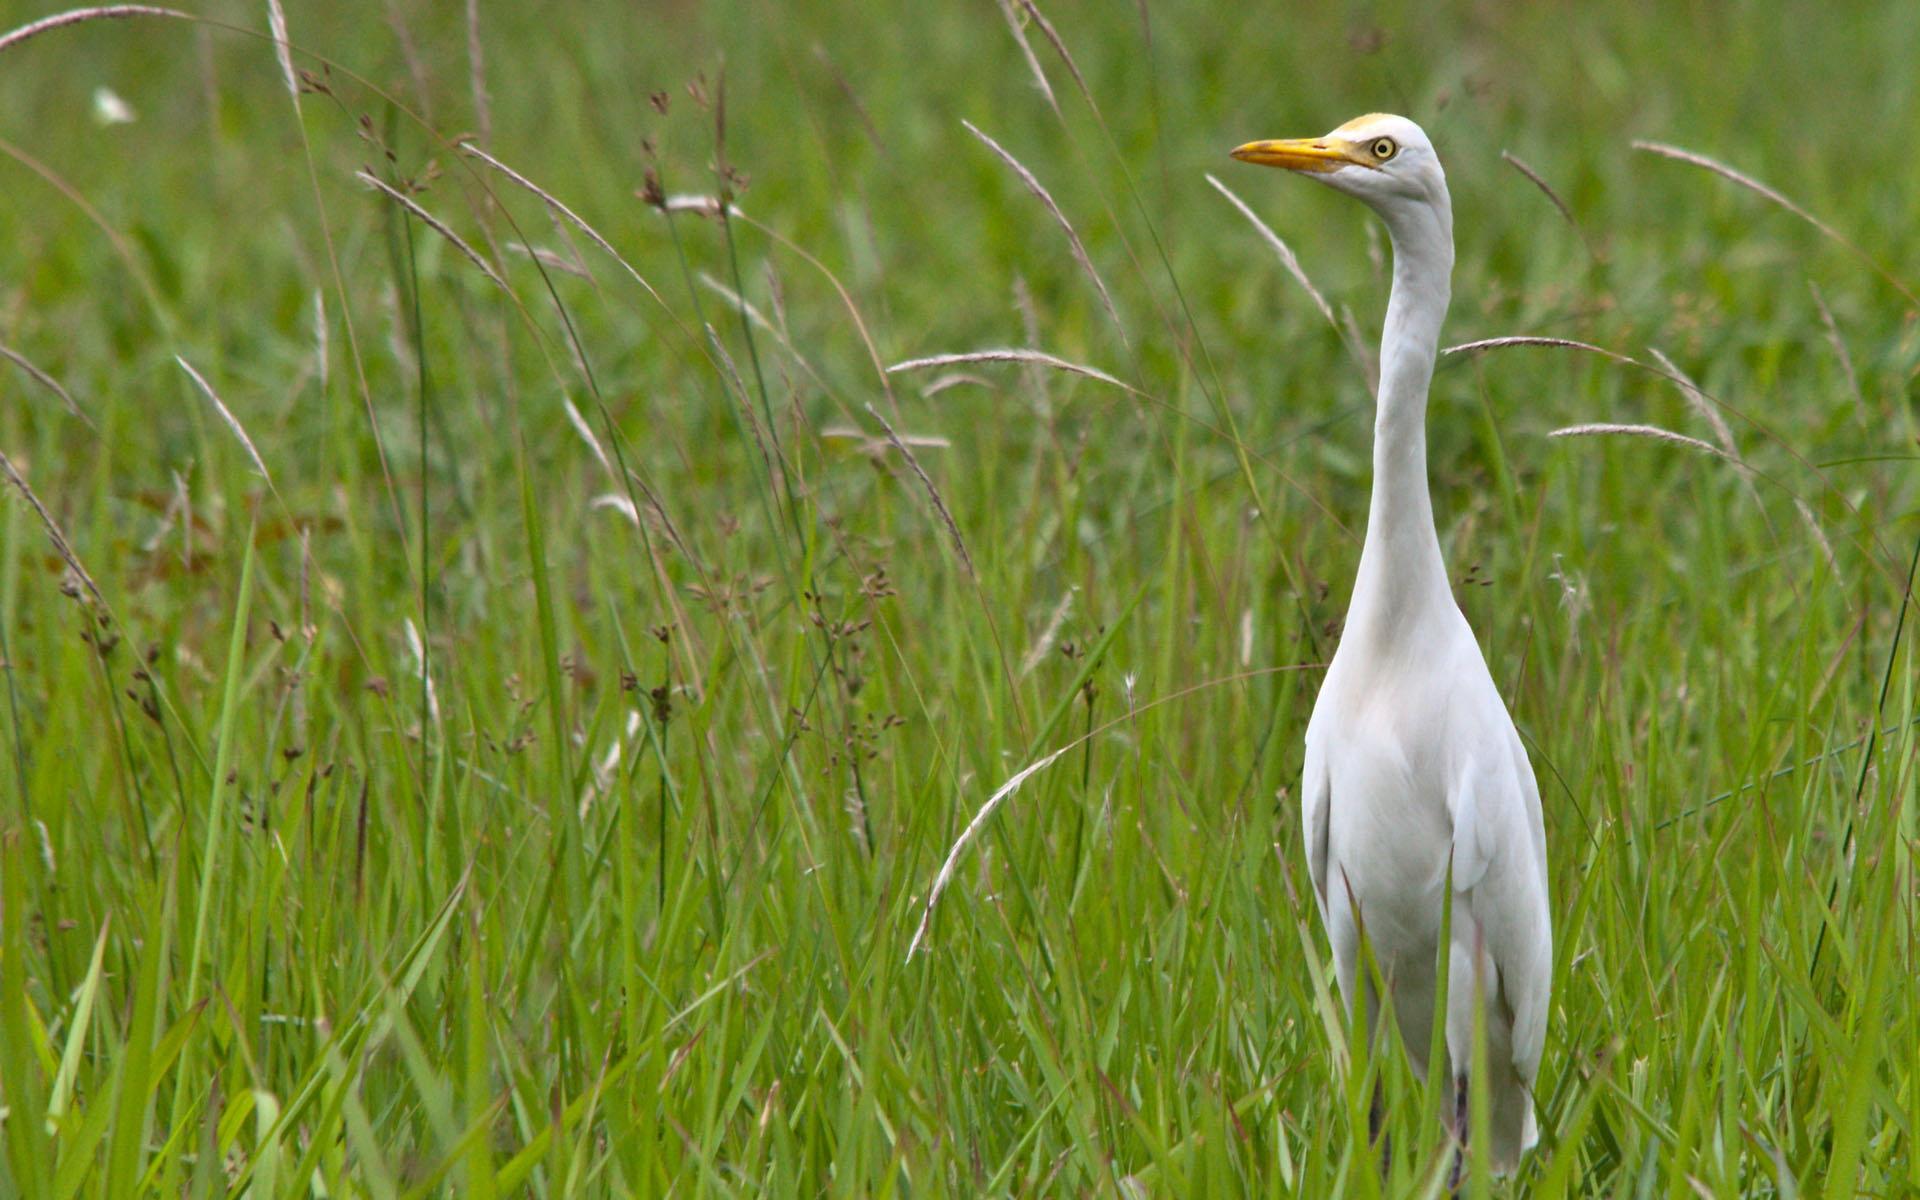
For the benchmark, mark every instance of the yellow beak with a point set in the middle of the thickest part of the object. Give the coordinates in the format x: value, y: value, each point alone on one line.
x: 1295, y: 154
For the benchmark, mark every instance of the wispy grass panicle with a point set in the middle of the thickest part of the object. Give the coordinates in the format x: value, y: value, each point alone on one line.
x: 78, y: 16
x: 933, y: 493
x: 1362, y: 356
x: 1046, y: 199
x: 1034, y: 357
x: 1612, y: 429
x: 282, y: 48
x: 61, y: 545
x: 434, y: 223
x: 226, y: 415
x: 1778, y: 198
x: 46, y: 381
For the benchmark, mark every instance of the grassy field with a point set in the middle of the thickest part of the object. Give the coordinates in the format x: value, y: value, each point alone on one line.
x: 504, y: 743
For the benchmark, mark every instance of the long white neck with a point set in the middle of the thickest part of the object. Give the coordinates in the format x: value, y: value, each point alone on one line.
x: 1402, y: 577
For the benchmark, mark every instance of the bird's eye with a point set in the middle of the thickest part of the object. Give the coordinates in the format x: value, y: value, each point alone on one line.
x: 1383, y: 148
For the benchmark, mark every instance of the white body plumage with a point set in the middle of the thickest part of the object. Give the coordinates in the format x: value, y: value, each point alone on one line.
x: 1416, y: 780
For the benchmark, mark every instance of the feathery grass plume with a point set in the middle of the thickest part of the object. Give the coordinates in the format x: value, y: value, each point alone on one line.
x: 1605, y: 429
x: 1288, y: 259
x: 1502, y: 343
x: 44, y: 380
x: 840, y: 289
x: 953, y: 379
x: 1537, y: 180
x: 74, y: 16
x: 1839, y: 350
x: 61, y: 546
x: 1774, y: 196
x: 422, y: 664
x: 550, y: 259
x: 618, y: 503
x: 277, y: 25
x: 1026, y: 51
x: 1046, y: 199
x: 1060, y: 47
x: 572, y: 218
x: 1705, y: 408
x: 434, y: 223
x: 1030, y: 327
x: 945, y: 875
x: 1039, y: 357
x: 1819, y: 535
x: 933, y: 493
x: 1291, y: 262
x: 1048, y: 635
x: 226, y: 415
x: 778, y: 333
x: 585, y: 431
x: 1697, y: 400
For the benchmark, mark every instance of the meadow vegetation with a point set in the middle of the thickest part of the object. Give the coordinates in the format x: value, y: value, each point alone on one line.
x: 496, y: 656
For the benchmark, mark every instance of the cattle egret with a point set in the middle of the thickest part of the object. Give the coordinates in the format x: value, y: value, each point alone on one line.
x: 1415, y: 779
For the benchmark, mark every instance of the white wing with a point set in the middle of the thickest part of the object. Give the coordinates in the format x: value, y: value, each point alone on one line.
x: 1500, y: 867
x: 1316, y: 790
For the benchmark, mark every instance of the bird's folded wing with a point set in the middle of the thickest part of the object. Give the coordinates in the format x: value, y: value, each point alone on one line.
x: 1499, y: 865
x: 1316, y: 788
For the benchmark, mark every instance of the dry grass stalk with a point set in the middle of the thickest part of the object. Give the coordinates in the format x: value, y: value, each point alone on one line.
x: 1288, y: 259
x: 1534, y: 177
x: 44, y: 380
x: 1775, y: 197
x: 74, y: 16
x: 945, y: 877
x: 933, y: 493
x: 1039, y: 357
x: 1291, y: 262
x: 1060, y: 48
x: 572, y: 218
x: 1026, y: 51
x: 434, y: 223
x: 226, y: 415
x: 972, y: 831
x: 60, y: 544
x: 277, y: 24
x: 1046, y: 199
x: 1604, y: 429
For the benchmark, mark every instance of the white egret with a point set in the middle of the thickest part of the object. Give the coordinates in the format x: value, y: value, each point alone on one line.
x: 1414, y: 772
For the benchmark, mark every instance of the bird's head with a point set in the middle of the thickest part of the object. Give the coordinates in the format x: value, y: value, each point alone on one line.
x: 1385, y: 160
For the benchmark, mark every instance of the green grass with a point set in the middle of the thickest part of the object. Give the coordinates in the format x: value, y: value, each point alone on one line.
x: 615, y: 898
